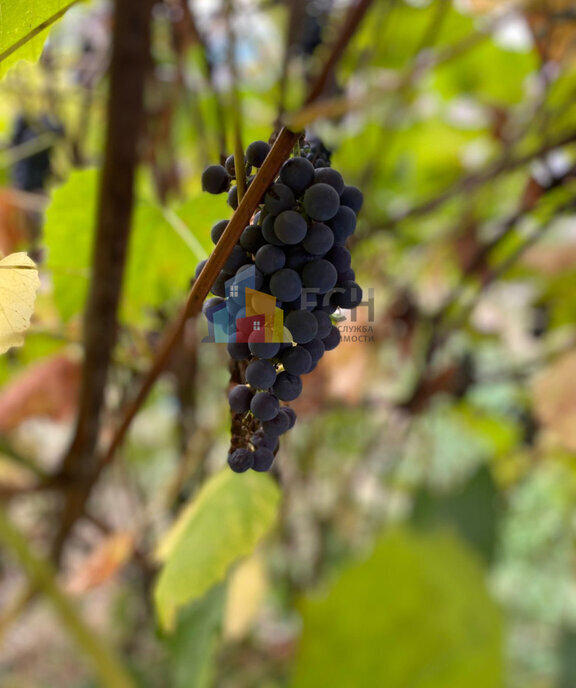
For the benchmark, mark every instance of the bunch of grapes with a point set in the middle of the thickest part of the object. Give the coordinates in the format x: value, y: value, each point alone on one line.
x: 296, y: 248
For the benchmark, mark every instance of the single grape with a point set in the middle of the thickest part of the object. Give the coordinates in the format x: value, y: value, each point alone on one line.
x: 232, y: 199
x: 333, y: 339
x: 236, y: 259
x: 315, y: 348
x: 340, y: 258
x: 347, y: 275
x: 302, y: 326
x: 256, y: 153
x: 347, y: 295
x: 260, y: 374
x: 262, y: 349
x: 296, y: 360
x: 319, y: 274
x: 269, y: 259
x: 218, y: 230
x: 287, y: 387
x: 323, y: 303
x: 199, y: 267
x: 298, y: 174
x: 278, y: 425
x: 240, y: 460
x: 268, y: 231
x: 278, y: 198
x: 327, y: 175
x: 321, y: 202
x: 263, y: 460
x: 319, y: 239
x: 219, y: 286
x: 343, y: 224
x: 352, y: 198
x: 215, y: 179
x: 230, y: 166
x: 291, y: 415
x: 264, y: 405
x: 286, y: 284
x: 209, y: 307
x: 238, y: 351
x: 239, y: 398
x: 258, y: 275
x: 251, y: 238
x: 324, y: 323
x: 290, y: 227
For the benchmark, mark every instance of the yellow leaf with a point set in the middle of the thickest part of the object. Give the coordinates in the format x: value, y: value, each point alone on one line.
x: 19, y: 283
x: 246, y: 592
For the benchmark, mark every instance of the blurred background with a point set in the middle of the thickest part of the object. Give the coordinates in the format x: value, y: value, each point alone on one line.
x: 418, y: 528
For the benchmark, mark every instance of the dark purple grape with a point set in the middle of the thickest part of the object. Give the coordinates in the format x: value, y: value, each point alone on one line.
x: 305, y: 302
x: 260, y: 440
x: 236, y: 259
x: 230, y: 166
x: 258, y: 275
x: 264, y: 405
x: 240, y: 460
x: 290, y: 227
x: 327, y: 175
x: 296, y: 360
x: 302, y: 325
x: 268, y: 231
x: 352, y: 198
x: 343, y: 224
x: 260, y: 374
x: 256, y: 153
x: 278, y: 198
x: 287, y: 387
x: 321, y: 202
x: 347, y: 275
x: 333, y: 339
x: 199, y: 267
x: 263, y: 349
x: 340, y: 258
x: 215, y: 179
x: 209, y: 307
x: 232, y: 199
x: 278, y: 425
x: 239, y: 398
x: 319, y: 274
x: 315, y: 348
x: 291, y: 415
x: 324, y: 323
x: 218, y: 230
x: 286, y: 284
x: 238, y: 351
x: 219, y: 286
x: 298, y: 174
x: 319, y: 239
x: 251, y: 238
x: 269, y: 259
x: 263, y: 460
x: 347, y: 295
x: 324, y: 303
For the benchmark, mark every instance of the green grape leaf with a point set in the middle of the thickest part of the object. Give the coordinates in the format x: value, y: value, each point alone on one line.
x: 24, y: 27
x: 223, y: 523
x: 415, y: 613
x: 165, y: 245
